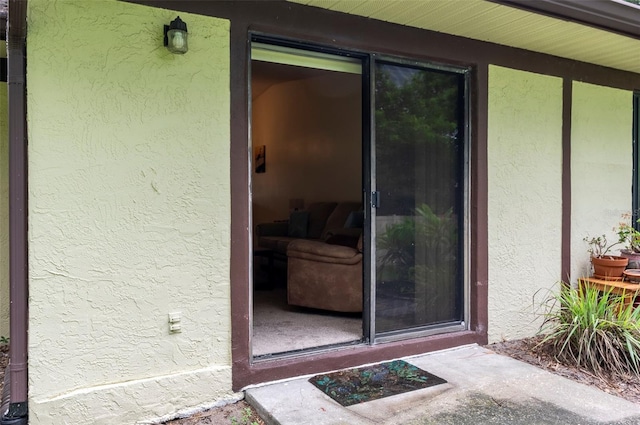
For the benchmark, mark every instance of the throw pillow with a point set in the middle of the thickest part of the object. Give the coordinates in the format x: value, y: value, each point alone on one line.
x: 344, y: 240
x: 355, y: 220
x: 298, y: 222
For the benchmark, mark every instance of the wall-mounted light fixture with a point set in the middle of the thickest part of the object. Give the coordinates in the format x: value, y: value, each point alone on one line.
x: 175, y: 36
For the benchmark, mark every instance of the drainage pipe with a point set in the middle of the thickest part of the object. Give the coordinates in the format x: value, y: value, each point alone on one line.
x: 17, y: 412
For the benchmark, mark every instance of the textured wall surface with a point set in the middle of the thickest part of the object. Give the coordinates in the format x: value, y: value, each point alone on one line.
x: 525, y: 197
x: 129, y: 213
x: 601, y: 166
x: 4, y: 213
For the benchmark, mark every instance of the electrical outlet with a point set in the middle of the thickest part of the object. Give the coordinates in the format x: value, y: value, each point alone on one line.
x: 175, y: 325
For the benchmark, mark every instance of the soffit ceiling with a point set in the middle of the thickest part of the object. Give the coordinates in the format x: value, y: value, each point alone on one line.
x: 500, y: 24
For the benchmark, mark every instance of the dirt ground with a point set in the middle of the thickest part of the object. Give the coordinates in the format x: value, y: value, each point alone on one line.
x: 241, y: 413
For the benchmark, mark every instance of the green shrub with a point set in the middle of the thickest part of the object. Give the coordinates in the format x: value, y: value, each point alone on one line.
x: 593, y: 330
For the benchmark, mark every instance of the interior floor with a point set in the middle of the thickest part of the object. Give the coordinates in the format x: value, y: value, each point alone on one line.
x: 279, y: 327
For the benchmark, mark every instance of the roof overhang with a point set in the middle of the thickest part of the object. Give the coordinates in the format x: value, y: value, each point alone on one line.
x: 601, y: 32
x: 617, y: 16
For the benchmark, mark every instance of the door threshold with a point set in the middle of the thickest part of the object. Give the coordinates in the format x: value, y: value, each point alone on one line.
x: 263, y: 358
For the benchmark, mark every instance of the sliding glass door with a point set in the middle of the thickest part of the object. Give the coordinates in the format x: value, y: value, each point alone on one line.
x: 419, y: 183
x: 336, y: 125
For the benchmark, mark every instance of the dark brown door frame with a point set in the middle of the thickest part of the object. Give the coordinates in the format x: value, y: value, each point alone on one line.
x: 245, y: 370
x: 314, y: 25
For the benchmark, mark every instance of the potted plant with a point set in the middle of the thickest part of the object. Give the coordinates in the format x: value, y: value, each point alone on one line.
x: 631, y: 238
x: 605, y: 266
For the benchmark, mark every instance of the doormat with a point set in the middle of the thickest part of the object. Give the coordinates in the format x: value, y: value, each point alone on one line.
x: 353, y: 386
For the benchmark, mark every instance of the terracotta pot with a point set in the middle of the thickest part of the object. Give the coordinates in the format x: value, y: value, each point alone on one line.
x: 609, y: 267
x: 634, y: 258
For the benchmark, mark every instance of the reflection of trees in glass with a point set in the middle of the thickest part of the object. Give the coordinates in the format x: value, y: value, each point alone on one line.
x: 418, y: 119
x: 419, y: 158
x: 418, y: 258
x: 430, y: 237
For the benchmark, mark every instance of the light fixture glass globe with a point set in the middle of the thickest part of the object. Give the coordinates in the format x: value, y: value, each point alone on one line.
x: 177, y: 41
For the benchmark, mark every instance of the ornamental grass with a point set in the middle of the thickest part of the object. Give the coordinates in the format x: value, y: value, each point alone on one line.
x: 593, y: 330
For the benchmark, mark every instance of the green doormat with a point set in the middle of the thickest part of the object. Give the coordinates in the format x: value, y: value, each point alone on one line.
x: 353, y: 386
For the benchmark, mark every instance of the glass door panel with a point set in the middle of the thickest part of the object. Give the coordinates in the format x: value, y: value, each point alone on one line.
x: 420, y: 183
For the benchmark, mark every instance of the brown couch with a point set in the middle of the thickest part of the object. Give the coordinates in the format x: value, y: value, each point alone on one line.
x: 316, y: 222
x: 325, y: 276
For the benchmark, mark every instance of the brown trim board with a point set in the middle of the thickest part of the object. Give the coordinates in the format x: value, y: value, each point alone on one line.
x: 567, y: 100
x: 332, y: 29
x: 479, y: 291
x: 18, y: 207
x: 240, y: 208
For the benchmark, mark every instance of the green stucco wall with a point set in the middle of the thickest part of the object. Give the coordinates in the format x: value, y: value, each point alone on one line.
x: 129, y: 213
x: 601, y: 166
x: 524, y: 197
x: 4, y: 213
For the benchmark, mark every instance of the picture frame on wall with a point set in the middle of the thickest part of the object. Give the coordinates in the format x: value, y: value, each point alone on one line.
x: 260, y: 155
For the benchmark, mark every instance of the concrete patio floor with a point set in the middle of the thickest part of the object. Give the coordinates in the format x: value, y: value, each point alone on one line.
x: 482, y: 388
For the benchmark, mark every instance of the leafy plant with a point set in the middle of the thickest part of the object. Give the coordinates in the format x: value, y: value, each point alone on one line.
x: 628, y: 235
x: 418, y: 263
x: 598, y: 246
x: 399, y: 244
x: 245, y: 419
x: 4, y: 340
x: 431, y: 233
x: 591, y: 329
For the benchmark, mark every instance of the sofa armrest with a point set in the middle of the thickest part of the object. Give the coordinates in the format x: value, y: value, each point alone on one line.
x: 279, y: 228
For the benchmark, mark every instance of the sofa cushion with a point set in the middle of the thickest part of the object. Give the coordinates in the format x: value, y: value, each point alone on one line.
x: 298, y: 223
x: 355, y: 220
x: 318, y: 214
x: 339, y: 216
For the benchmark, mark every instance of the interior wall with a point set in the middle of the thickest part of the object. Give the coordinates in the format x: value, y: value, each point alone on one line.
x: 312, y: 130
x: 129, y: 213
x: 4, y: 213
x: 525, y: 197
x: 601, y: 167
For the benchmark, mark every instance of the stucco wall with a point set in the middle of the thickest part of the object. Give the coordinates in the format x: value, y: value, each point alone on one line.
x: 129, y: 213
x: 601, y: 166
x: 4, y: 213
x: 525, y: 197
